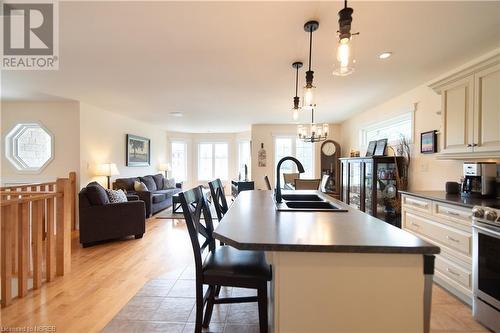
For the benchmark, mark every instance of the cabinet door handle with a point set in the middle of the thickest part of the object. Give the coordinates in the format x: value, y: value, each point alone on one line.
x: 415, y: 224
x: 452, y: 272
x: 469, y: 145
x: 419, y: 205
x: 449, y: 212
x: 452, y: 239
x: 474, y: 145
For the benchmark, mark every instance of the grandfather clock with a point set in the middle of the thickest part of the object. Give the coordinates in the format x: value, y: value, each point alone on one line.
x: 330, y: 165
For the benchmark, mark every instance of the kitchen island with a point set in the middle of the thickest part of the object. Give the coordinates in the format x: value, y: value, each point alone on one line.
x: 339, y: 271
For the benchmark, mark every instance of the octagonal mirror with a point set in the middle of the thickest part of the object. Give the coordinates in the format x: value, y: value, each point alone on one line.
x: 29, y: 147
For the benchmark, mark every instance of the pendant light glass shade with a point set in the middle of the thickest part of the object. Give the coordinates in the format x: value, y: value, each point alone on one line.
x: 309, y: 97
x: 344, y: 64
x: 345, y: 57
x: 295, y: 113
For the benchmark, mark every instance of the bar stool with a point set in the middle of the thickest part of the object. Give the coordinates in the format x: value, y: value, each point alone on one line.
x: 223, y: 265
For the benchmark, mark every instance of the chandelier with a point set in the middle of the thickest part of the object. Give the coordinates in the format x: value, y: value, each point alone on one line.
x: 312, y: 132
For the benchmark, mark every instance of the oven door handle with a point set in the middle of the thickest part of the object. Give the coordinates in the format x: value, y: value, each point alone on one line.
x: 492, y: 233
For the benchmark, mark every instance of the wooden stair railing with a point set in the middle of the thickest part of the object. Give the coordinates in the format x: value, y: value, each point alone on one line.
x: 46, y: 211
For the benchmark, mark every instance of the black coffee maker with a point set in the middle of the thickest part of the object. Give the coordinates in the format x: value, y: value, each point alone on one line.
x: 479, y: 179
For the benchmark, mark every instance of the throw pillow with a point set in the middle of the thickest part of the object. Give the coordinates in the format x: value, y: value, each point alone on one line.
x: 168, y: 183
x: 158, y: 178
x: 140, y: 186
x: 97, y: 194
x: 149, y: 182
x: 116, y: 196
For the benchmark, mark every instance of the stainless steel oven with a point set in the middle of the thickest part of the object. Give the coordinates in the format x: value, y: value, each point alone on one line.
x: 486, y: 267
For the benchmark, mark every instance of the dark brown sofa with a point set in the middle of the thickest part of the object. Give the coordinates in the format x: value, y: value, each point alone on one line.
x: 101, y: 220
x: 155, y: 199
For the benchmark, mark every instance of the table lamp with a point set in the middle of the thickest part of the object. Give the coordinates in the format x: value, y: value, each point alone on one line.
x: 108, y: 170
x: 165, y: 167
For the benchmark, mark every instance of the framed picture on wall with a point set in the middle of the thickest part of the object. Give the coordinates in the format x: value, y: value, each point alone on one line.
x: 428, y: 142
x: 138, y: 151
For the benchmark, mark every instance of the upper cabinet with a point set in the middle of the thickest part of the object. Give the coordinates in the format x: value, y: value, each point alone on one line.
x: 470, y: 105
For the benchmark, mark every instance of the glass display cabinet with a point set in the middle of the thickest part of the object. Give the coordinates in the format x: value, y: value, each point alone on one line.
x: 370, y: 185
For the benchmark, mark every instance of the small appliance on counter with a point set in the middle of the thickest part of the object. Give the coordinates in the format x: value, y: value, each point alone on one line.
x: 486, y: 266
x: 479, y: 179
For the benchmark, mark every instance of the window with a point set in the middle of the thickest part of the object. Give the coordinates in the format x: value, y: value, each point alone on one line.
x: 244, y: 157
x: 391, y: 129
x: 179, y: 160
x: 292, y: 146
x: 212, y: 161
x: 29, y: 147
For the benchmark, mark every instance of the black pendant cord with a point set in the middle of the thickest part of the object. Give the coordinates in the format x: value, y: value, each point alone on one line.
x: 345, y: 3
x: 297, y: 82
x: 312, y: 116
x: 310, y: 46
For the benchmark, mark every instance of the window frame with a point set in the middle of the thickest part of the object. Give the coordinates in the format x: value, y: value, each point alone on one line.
x: 381, y: 125
x: 212, y: 143
x: 240, y: 165
x: 184, y: 143
x: 11, y: 148
x: 294, y: 139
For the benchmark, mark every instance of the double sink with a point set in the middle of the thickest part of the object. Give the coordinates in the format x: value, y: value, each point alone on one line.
x: 306, y: 202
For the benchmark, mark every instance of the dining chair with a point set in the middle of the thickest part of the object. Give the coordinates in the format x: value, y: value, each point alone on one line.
x: 289, y: 178
x: 222, y: 265
x: 268, y: 183
x: 218, y: 198
x: 307, y: 184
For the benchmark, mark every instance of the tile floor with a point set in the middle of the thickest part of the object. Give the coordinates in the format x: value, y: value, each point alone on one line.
x: 166, y: 304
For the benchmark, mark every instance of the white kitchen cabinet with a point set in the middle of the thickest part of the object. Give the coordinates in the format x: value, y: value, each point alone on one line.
x: 449, y: 227
x: 487, y: 109
x: 470, y: 108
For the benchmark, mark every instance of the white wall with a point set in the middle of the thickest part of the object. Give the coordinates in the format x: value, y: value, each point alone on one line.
x: 193, y: 139
x: 265, y: 134
x: 62, y: 119
x: 426, y: 171
x: 102, y: 140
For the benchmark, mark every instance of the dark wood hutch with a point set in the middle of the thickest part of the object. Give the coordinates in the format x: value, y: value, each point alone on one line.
x: 370, y: 185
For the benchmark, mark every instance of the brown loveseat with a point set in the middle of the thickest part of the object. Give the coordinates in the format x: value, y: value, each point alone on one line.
x: 156, y: 198
x: 101, y: 220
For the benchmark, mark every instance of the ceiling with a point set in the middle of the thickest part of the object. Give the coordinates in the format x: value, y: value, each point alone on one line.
x: 227, y: 65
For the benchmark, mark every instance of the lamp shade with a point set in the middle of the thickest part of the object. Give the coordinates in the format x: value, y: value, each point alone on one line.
x: 108, y: 169
x: 165, y: 167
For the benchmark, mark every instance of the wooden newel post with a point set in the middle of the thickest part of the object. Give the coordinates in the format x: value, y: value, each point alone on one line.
x: 63, y: 226
x: 72, y: 180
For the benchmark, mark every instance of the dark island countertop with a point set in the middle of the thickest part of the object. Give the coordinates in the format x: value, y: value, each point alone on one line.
x: 455, y: 199
x: 252, y: 223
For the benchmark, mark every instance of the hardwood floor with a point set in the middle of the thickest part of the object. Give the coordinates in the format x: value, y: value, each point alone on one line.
x: 105, y: 277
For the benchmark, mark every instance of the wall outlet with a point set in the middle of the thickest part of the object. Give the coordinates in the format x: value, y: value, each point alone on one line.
x: 424, y: 167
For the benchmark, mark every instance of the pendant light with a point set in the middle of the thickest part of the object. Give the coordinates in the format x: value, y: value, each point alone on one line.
x: 345, y: 48
x: 309, y: 89
x: 296, y: 99
x: 313, y: 132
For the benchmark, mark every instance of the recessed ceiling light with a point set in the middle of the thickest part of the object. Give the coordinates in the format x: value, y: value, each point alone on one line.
x: 176, y: 114
x: 385, y: 55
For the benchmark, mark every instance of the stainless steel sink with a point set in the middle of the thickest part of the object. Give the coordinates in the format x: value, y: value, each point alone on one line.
x: 311, y: 205
x: 301, y: 197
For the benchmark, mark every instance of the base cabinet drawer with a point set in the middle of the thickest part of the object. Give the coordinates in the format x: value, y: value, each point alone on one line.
x: 442, y: 234
x: 454, y: 271
x: 419, y: 204
x: 459, y: 214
